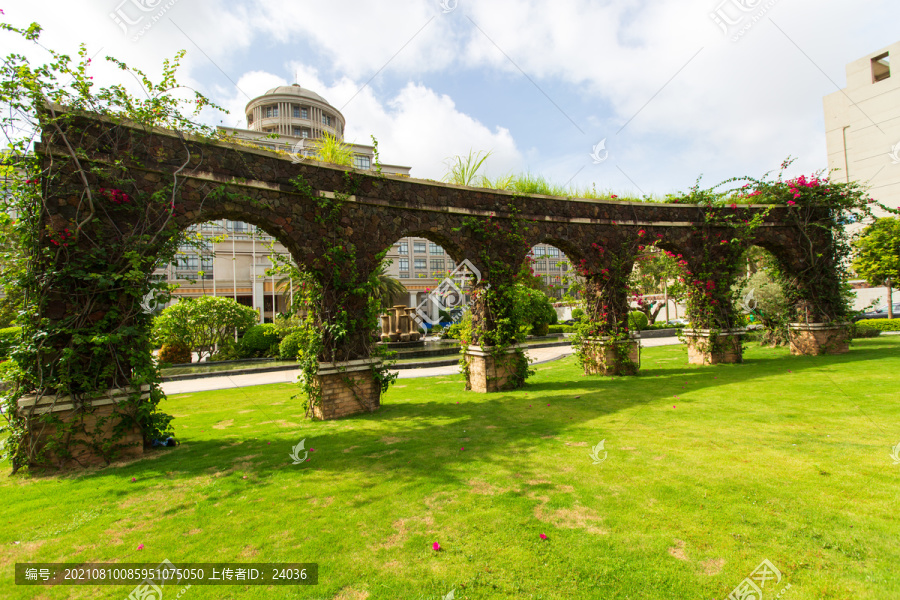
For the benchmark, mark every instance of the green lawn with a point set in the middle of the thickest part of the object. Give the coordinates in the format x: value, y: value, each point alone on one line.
x: 708, y: 471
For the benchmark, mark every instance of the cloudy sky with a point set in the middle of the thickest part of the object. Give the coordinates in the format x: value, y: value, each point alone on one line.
x: 673, y: 89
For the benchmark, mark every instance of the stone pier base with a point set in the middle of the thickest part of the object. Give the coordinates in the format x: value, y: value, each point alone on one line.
x: 85, y: 433
x: 811, y: 339
x: 600, y: 356
x: 706, y: 348
x: 345, y: 389
x: 488, y: 373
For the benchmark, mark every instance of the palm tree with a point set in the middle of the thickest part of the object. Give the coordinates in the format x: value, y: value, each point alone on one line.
x: 388, y: 288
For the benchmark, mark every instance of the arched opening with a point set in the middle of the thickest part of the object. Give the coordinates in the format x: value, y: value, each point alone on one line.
x: 426, y: 273
x: 760, y: 295
x: 234, y: 259
x: 247, y: 263
x: 657, y: 287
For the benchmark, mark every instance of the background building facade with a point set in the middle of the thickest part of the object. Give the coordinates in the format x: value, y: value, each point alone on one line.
x: 862, y: 126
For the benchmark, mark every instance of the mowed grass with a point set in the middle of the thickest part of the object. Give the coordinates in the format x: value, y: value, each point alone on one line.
x: 708, y: 471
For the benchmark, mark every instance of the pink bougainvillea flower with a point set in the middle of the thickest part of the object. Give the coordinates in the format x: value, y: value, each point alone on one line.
x: 244, y: 477
x: 436, y: 547
x: 673, y: 406
x: 133, y: 480
x: 543, y: 537
x: 548, y: 404
x: 140, y: 546
x: 312, y: 449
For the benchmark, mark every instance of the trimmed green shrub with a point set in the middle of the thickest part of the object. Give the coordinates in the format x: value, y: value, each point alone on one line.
x: 637, y: 321
x: 175, y: 354
x: 260, y: 338
x: 879, y: 324
x: 540, y: 329
x: 9, y: 337
x: 289, y: 348
x: 857, y: 331
x: 452, y: 332
x: 561, y: 329
x: 577, y: 314
x: 554, y: 318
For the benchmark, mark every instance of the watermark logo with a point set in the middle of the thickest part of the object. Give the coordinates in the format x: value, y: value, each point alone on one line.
x: 895, y: 454
x: 752, y: 587
x: 450, y: 596
x: 449, y: 6
x: 136, y: 17
x: 595, y: 453
x: 296, y: 152
x: 296, y: 450
x: 450, y: 294
x: 749, y: 303
x: 152, y: 588
x: 895, y: 153
x: 596, y: 155
x: 737, y: 17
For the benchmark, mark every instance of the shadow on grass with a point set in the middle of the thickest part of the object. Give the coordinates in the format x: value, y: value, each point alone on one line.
x: 411, y: 441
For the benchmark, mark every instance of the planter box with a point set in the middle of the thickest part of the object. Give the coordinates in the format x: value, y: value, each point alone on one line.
x: 94, y: 423
x: 489, y: 373
x: 346, y: 388
x: 601, y: 356
x: 812, y: 339
x: 707, y: 348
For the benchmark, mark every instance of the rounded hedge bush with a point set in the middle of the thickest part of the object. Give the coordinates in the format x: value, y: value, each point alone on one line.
x: 175, y: 354
x: 9, y: 337
x: 260, y: 338
x: 879, y: 324
x: 289, y: 348
x: 577, y: 313
x: 637, y: 321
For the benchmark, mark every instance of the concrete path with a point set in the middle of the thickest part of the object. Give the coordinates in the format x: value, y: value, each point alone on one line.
x: 536, y: 355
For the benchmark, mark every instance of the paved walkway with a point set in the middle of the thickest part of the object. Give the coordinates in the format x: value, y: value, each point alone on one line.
x: 536, y: 355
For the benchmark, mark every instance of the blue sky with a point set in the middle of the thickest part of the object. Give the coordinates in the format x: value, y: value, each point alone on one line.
x: 538, y: 83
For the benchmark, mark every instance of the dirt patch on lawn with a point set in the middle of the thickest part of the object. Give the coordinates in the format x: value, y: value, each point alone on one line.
x: 577, y: 444
x: 391, y: 440
x: 351, y: 448
x: 351, y: 594
x: 402, y: 527
x: 678, y: 550
x: 713, y: 566
x: 577, y: 517
x: 224, y: 424
x: 382, y: 454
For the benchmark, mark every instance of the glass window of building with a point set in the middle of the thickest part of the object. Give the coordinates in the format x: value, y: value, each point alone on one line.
x: 421, y: 264
x: 437, y: 264
x: 361, y: 162
x: 435, y: 249
x: 404, y: 264
x: 404, y: 249
x: 304, y: 112
x: 272, y: 111
x: 551, y: 251
x: 554, y: 265
x: 419, y: 247
x: 539, y: 251
x: 326, y: 119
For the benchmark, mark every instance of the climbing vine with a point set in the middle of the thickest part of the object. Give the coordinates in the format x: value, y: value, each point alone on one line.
x: 342, y: 307
x: 498, y: 322
x: 88, y: 237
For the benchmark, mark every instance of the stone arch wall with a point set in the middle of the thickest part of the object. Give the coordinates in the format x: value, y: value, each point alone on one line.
x: 312, y: 208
